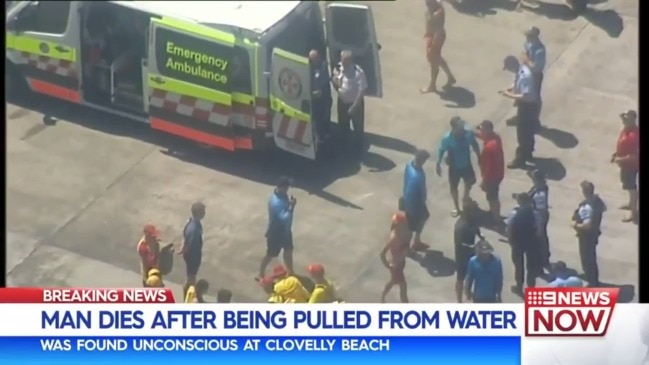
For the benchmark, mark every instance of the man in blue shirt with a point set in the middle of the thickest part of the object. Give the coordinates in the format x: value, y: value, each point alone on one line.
x: 587, y: 221
x: 562, y: 277
x: 413, y: 200
x: 484, y: 279
x: 321, y: 93
x: 192, y: 249
x: 279, y: 236
x: 457, y: 145
x: 523, y: 92
x: 535, y: 58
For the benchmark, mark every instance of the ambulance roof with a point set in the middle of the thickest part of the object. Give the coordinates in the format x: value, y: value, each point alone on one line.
x: 257, y: 16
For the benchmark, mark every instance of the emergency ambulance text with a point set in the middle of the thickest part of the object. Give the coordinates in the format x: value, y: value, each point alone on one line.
x: 196, y: 63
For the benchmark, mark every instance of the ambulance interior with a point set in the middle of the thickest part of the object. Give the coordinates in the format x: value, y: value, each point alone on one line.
x: 114, y: 41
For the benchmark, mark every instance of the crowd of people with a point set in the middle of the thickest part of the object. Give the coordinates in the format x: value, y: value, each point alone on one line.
x: 479, y: 270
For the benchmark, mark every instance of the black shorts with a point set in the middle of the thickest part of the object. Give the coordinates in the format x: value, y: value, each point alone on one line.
x: 491, y: 191
x: 629, y: 179
x: 466, y: 174
x: 275, y: 245
x: 193, y: 262
x: 416, y: 220
x: 462, y: 257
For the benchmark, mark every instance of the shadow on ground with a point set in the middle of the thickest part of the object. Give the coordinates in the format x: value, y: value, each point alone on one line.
x: 607, y: 20
x: 263, y: 166
x: 458, y: 97
x: 561, y: 139
x: 627, y: 291
x: 482, y: 8
x: 389, y: 143
x: 553, y: 168
x: 435, y: 263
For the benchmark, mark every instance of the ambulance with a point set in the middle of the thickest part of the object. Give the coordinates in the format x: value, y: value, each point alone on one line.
x: 228, y: 74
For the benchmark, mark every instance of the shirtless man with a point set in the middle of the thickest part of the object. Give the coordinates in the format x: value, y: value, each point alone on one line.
x: 435, y: 37
x: 398, y: 248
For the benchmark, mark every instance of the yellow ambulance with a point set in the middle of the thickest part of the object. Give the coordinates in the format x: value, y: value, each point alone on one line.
x: 229, y: 74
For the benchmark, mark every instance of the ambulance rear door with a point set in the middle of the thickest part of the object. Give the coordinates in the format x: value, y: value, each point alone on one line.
x: 290, y: 102
x: 190, y: 92
x: 42, y: 40
x: 351, y: 27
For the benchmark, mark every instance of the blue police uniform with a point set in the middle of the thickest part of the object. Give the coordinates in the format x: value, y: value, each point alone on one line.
x: 527, y: 114
x: 535, y: 51
x: 322, y: 101
x: 590, y: 210
x: 522, y: 221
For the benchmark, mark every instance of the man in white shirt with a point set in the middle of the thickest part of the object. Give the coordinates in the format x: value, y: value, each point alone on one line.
x: 350, y: 83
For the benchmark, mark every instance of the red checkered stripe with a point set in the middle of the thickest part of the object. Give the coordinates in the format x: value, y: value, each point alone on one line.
x: 49, y: 64
x: 292, y: 129
x: 261, y: 112
x: 190, y: 106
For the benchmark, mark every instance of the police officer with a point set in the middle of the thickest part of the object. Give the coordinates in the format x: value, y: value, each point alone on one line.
x: 350, y: 83
x: 523, y: 92
x: 587, y: 221
x: 540, y: 198
x: 522, y: 224
x: 321, y: 91
x: 534, y: 57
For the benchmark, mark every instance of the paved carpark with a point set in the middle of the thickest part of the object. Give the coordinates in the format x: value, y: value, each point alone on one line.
x: 80, y: 190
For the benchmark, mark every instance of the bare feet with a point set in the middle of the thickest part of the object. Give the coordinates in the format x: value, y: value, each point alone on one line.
x: 629, y: 218
x: 428, y: 90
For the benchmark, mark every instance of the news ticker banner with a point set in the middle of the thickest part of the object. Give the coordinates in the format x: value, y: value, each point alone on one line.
x: 128, y: 326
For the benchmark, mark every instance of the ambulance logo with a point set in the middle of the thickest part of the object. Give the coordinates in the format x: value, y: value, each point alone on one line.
x: 290, y: 83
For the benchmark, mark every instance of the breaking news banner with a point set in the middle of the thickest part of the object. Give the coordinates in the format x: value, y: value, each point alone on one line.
x: 132, y: 326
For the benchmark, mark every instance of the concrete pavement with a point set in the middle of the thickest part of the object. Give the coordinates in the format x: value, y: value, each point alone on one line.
x: 80, y: 190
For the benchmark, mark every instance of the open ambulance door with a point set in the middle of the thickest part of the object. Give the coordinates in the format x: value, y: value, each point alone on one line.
x: 290, y: 102
x: 351, y: 27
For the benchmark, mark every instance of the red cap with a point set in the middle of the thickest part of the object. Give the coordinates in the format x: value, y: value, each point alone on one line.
x: 279, y: 271
x: 316, y: 269
x: 151, y: 230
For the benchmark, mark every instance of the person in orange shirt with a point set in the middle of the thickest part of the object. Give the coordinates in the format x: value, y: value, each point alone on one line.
x: 435, y: 37
x: 492, y: 168
x: 398, y: 248
x: 626, y: 156
x: 148, y: 248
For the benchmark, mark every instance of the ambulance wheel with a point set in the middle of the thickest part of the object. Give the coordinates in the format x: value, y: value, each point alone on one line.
x: 15, y: 83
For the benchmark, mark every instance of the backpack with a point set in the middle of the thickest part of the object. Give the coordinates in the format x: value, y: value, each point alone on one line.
x: 166, y: 259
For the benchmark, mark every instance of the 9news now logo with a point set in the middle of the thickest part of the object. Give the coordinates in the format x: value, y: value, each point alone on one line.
x: 575, y: 312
